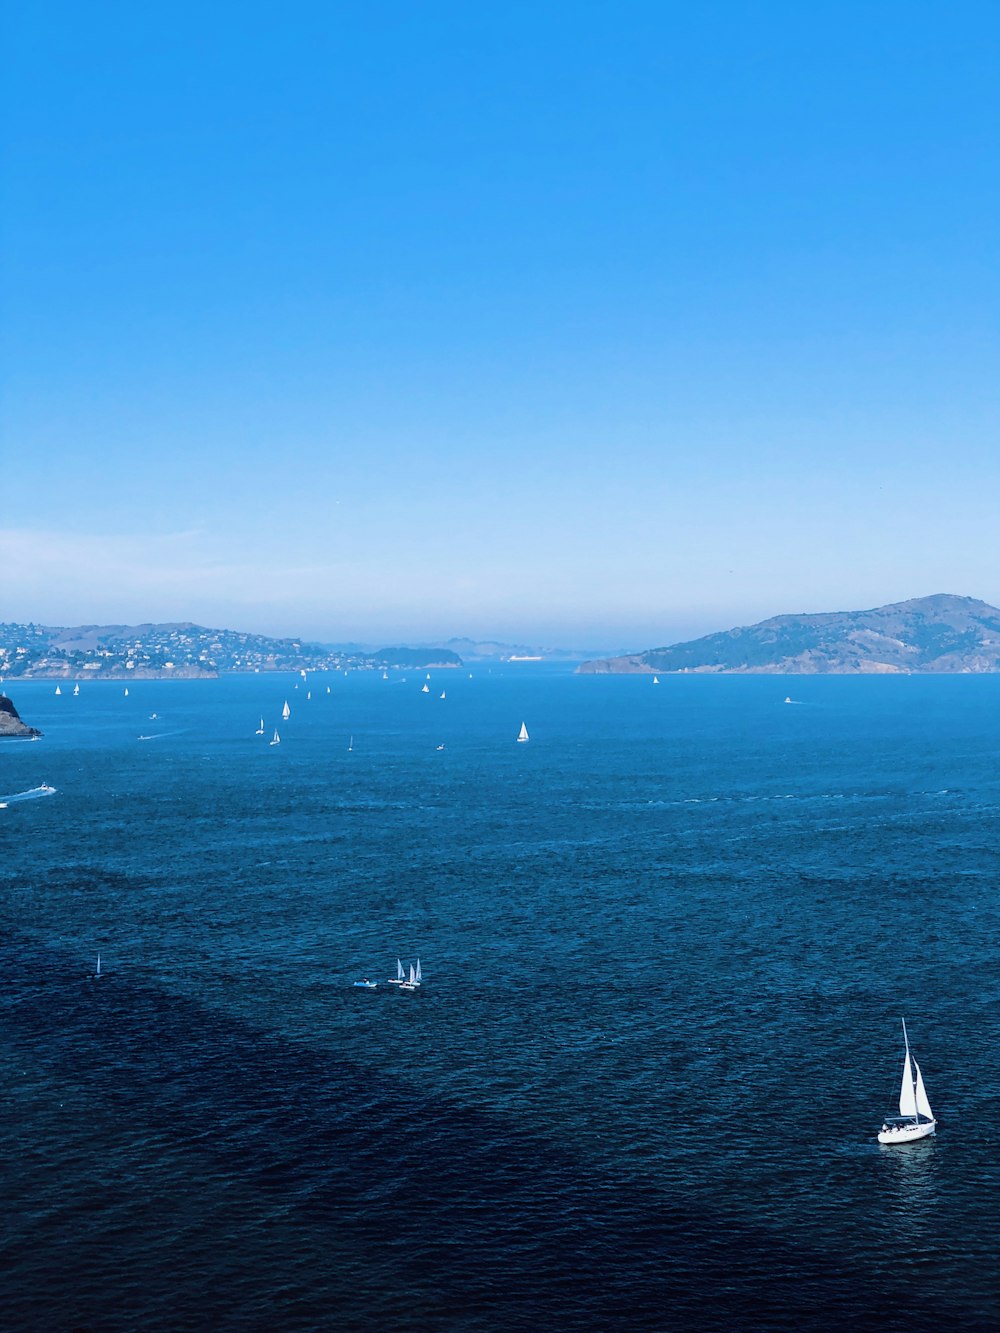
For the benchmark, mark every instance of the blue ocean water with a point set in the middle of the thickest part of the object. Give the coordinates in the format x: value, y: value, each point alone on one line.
x: 665, y: 946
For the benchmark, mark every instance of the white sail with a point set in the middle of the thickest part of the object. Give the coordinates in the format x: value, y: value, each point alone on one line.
x: 522, y: 735
x: 656, y: 680
x: 286, y: 712
x: 98, y: 972
x: 923, y: 1105
x: 907, y: 1101
x: 417, y: 974
x: 58, y: 690
x: 126, y: 691
x: 76, y: 689
x: 426, y: 689
x: 400, y: 972
x: 413, y: 978
x: 277, y: 738
x: 442, y: 694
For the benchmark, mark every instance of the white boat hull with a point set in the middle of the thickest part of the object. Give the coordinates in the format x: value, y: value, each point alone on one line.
x: 907, y: 1133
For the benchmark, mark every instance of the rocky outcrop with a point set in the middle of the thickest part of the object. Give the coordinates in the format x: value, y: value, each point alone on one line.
x: 10, y: 721
x: 942, y: 633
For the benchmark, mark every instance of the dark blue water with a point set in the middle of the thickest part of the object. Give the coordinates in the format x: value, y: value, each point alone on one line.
x: 665, y: 949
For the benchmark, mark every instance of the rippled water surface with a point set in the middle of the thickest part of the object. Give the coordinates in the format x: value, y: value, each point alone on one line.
x: 665, y: 948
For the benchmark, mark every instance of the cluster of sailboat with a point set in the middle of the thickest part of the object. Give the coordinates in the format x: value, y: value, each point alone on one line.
x: 405, y: 981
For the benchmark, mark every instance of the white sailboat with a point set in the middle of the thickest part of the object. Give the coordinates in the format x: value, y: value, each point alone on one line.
x: 411, y: 983
x: 385, y: 675
x: 276, y: 739
x: 76, y: 689
x: 442, y: 694
x: 656, y: 680
x: 522, y: 735
x: 416, y: 975
x: 286, y: 712
x: 350, y: 745
x: 58, y: 690
x: 97, y: 973
x: 916, y: 1119
x: 260, y: 729
x: 400, y: 976
x: 126, y: 691
x: 426, y: 689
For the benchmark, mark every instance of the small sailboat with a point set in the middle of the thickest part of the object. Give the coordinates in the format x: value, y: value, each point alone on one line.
x: 58, y: 690
x: 276, y: 739
x: 411, y: 983
x: 656, y: 680
x: 385, y: 675
x: 439, y: 747
x: 400, y: 976
x: 126, y: 691
x: 443, y: 694
x: 916, y: 1119
x: 97, y: 971
x: 309, y: 694
x: 286, y: 712
x: 416, y: 975
x: 522, y: 735
x: 328, y: 689
x: 788, y: 698
x: 426, y: 689
x: 260, y: 729
x: 76, y: 688
x: 350, y: 745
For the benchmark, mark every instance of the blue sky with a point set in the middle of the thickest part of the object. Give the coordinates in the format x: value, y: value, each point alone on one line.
x: 593, y: 324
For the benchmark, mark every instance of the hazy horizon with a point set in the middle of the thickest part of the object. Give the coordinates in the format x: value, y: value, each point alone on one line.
x: 581, y: 327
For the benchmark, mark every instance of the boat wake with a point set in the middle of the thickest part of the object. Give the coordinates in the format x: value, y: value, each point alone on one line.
x: 32, y: 794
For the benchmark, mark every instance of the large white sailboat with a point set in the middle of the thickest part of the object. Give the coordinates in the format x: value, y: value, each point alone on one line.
x: 400, y: 976
x: 286, y: 712
x: 916, y: 1119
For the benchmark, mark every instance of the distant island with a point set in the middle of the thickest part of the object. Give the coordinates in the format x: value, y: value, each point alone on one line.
x: 942, y: 633
x: 182, y: 652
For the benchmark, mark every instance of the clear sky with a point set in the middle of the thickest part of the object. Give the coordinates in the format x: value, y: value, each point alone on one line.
x: 601, y: 324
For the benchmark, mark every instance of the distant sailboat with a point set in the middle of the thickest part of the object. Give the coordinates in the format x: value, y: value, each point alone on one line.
x: 58, y: 690
x: 126, y: 691
x: 260, y: 729
x: 350, y: 745
x: 442, y: 694
x: 416, y: 975
x: 97, y: 973
x: 916, y: 1119
x: 328, y: 689
x: 411, y: 983
x: 522, y: 735
x: 426, y: 688
x: 385, y: 675
x: 400, y: 976
x: 656, y: 680
x: 76, y: 689
x: 286, y: 712
x: 276, y: 739
x: 309, y: 694
x: 439, y: 747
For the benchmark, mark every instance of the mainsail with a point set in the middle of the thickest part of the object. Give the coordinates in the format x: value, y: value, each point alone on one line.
x: 907, y: 1100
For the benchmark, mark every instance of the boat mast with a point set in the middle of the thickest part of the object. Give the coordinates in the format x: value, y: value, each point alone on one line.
x: 913, y: 1084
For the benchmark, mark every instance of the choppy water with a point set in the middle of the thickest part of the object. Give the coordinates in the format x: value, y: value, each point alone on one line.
x: 665, y: 949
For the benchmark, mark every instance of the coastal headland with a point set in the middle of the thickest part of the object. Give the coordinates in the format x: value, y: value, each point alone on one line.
x: 942, y: 633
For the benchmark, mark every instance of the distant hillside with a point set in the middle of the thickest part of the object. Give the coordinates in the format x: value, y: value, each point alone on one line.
x: 927, y: 634
x: 178, y: 652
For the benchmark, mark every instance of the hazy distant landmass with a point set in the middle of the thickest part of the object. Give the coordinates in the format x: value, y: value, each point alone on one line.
x: 472, y: 650
x: 181, y: 652
x: 942, y: 633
